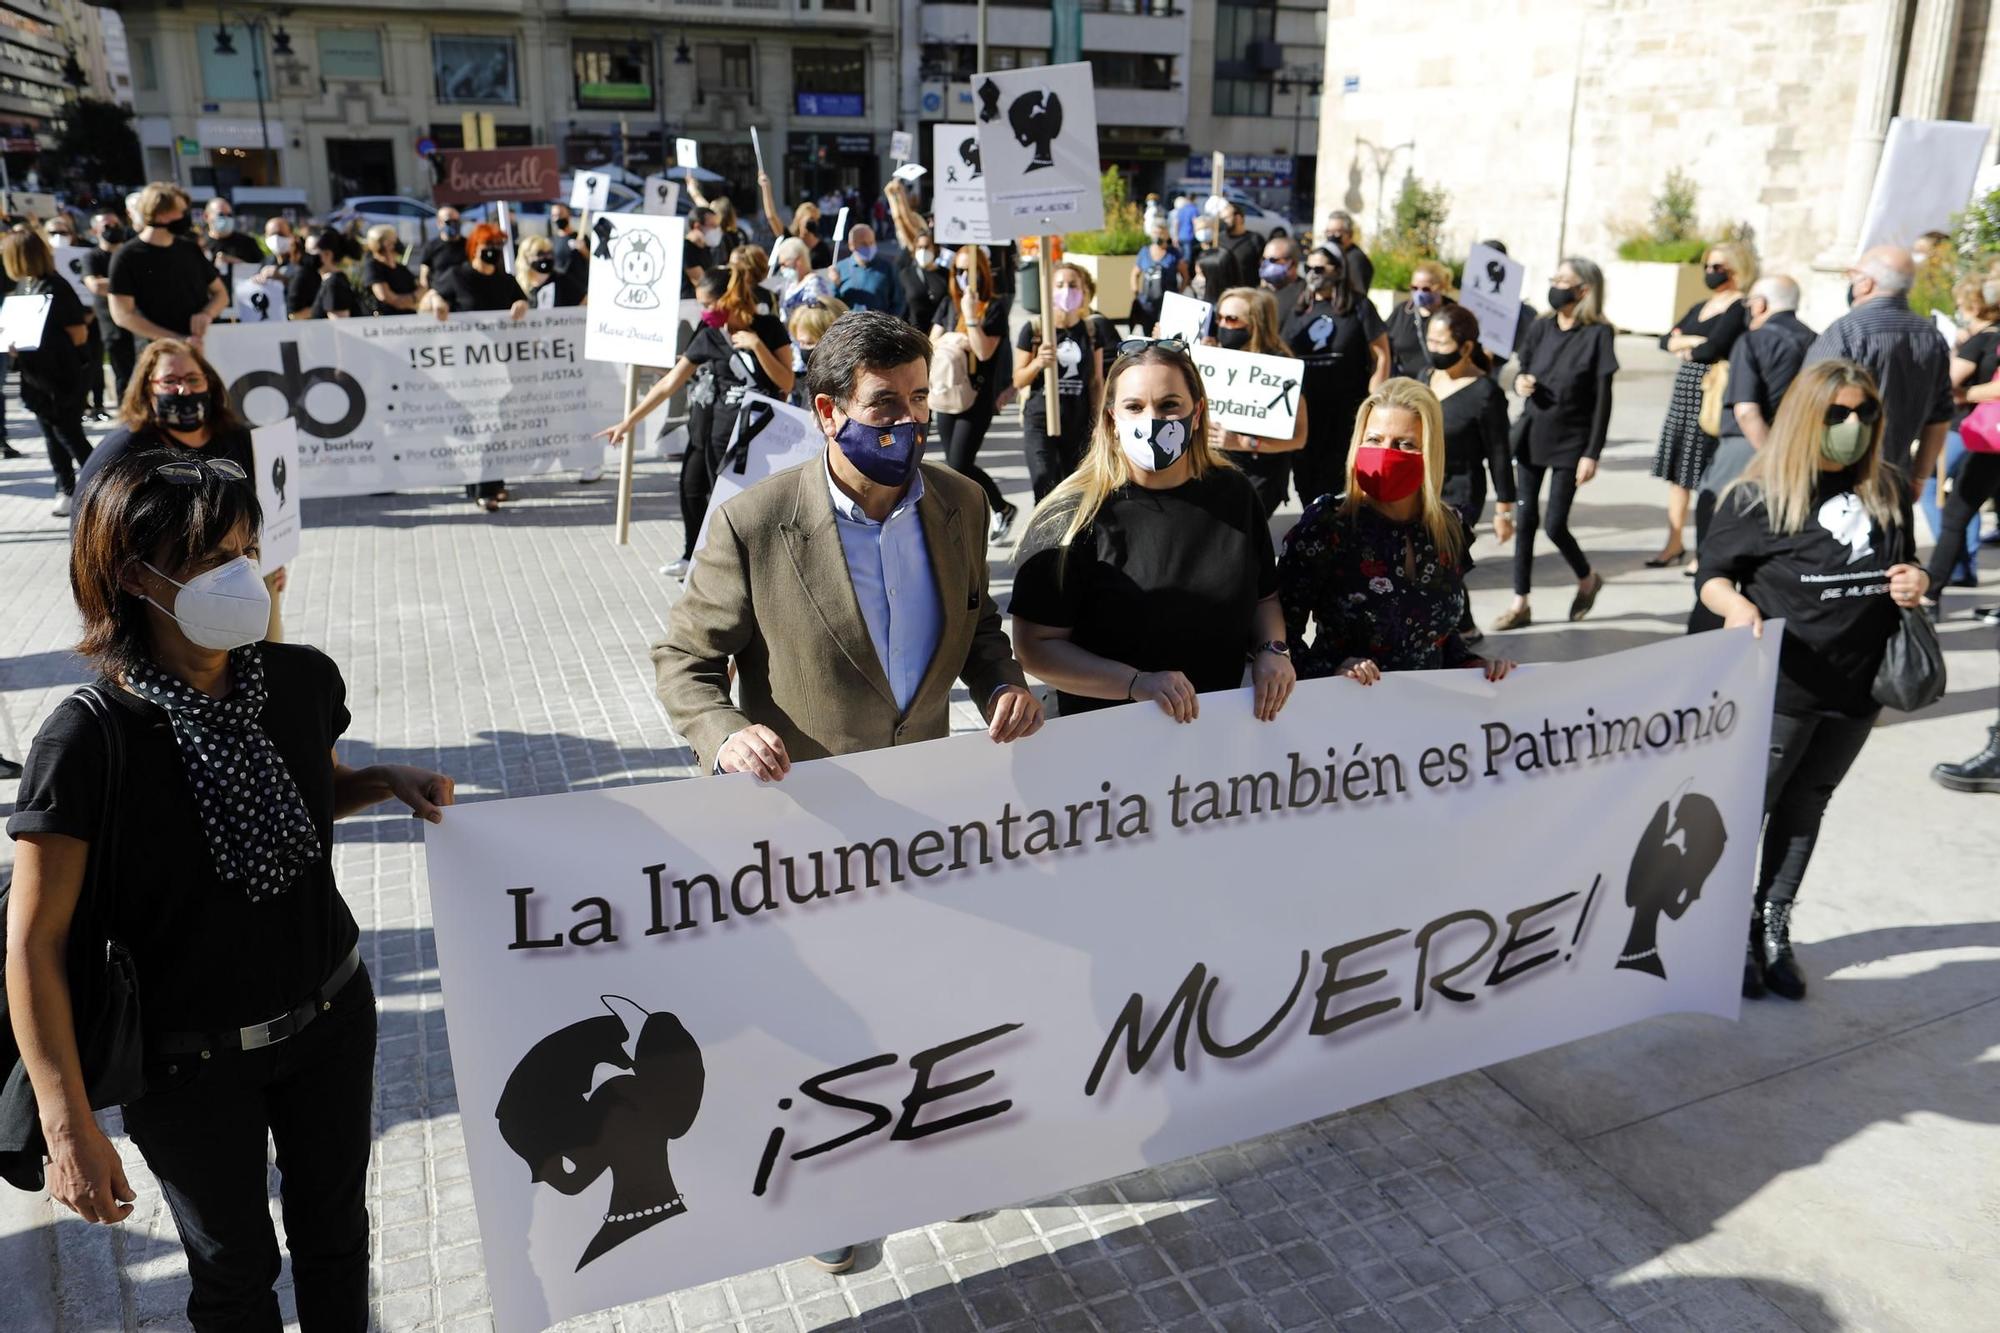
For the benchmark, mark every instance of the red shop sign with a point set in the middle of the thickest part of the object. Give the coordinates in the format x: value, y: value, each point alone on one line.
x: 486, y: 175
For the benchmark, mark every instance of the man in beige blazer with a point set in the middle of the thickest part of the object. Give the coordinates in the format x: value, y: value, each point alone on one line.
x: 849, y: 592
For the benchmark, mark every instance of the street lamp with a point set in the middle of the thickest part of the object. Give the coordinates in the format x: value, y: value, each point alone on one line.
x: 1383, y: 157
x: 1307, y: 79
x: 281, y: 42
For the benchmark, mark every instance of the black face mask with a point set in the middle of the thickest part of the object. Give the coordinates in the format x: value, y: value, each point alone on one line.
x: 180, y: 411
x: 1233, y: 339
x: 448, y: 228
x: 563, y: 225
x: 1714, y: 277
x: 1446, y: 360
x: 542, y: 265
x: 181, y: 226
x: 489, y: 254
x: 113, y: 234
x: 1562, y: 298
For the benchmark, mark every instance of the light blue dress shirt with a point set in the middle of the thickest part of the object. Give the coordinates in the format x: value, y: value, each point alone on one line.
x: 889, y: 564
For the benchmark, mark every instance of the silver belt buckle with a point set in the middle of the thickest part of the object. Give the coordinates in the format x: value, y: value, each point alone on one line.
x: 259, y: 1035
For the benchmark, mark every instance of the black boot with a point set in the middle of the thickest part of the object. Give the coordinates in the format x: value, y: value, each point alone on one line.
x: 1979, y: 773
x: 1753, y: 967
x: 1774, y: 942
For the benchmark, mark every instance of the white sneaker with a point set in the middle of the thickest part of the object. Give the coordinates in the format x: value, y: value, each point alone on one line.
x: 62, y: 506
x: 677, y: 569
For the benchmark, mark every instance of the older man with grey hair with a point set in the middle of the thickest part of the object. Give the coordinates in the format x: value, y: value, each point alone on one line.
x: 1903, y: 350
x: 1340, y: 233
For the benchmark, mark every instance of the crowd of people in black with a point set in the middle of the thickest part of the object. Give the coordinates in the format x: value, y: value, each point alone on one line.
x: 1147, y: 572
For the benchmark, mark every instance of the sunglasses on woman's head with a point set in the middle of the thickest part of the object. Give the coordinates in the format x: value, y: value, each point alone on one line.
x: 1134, y: 345
x: 188, y: 471
x: 1839, y: 412
x: 1716, y: 268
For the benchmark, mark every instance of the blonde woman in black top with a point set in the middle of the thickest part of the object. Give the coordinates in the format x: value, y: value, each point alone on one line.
x: 1703, y: 337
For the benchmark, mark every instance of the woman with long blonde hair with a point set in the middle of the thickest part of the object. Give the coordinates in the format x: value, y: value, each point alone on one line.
x: 972, y: 324
x: 1246, y: 320
x: 1813, y: 532
x: 1380, y: 569
x: 1148, y: 573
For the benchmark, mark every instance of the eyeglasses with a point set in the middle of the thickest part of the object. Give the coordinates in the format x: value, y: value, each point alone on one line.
x: 177, y: 383
x: 1715, y: 268
x: 190, y: 471
x: 1868, y: 412
x: 1133, y: 346
x: 1318, y: 268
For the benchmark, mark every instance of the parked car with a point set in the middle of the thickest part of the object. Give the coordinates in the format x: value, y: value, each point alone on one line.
x: 1261, y: 221
x: 414, y: 221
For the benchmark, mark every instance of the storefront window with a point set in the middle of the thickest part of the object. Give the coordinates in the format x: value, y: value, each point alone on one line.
x: 228, y: 77
x: 612, y: 75
x: 829, y: 83
x: 350, y: 53
x: 476, y: 70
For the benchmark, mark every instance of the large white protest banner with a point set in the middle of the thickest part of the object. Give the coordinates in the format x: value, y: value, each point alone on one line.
x: 707, y: 1025
x: 1925, y: 175
x: 635, y: 288
x: 958, y: 193
x: 275, y: 449
x: 73, y: 264
x: 1038, y: 143
x: 1491, y: 290
x: 398, y: 404
x: 770, y: 437
x: 1249, y: 392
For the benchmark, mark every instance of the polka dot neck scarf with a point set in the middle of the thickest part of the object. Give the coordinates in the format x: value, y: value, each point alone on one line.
x: 257, y: 825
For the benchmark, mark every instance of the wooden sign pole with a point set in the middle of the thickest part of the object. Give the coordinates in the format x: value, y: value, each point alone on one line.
x: 1052, y: 377
x: 624, y: 537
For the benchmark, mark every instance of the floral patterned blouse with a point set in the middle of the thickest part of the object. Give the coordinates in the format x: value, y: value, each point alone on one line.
x: 1375, y: 589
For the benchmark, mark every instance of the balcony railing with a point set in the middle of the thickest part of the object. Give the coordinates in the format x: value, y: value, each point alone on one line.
x: 1149, y: 8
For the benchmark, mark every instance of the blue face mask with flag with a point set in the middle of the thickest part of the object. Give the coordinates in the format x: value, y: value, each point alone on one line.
x: 886, y: 455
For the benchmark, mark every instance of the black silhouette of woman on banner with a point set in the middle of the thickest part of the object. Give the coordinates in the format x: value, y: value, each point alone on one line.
x: 1676, y: 854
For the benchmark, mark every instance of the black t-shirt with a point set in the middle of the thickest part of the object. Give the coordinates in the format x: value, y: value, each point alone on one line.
x: 302, y: 283
x: 235, y: 248
x: 53, y: 372
x: 233, y: 445
x: 440, y: 254
x: 97, y: 264
x: 1077, y: 374
x: 399, y: 280
x: 168, y: 282
x: 207, y: 957
x: 565, y: 287
x: 1160, y: 580
x: 336, y: 297
x: 1830, y: 583
x: 736, y: 371
x: 1475, y: 437
x: 988, y: 376
x: 924, y: 289
x: 1338, y: 361
x: 465, y: 289
x: 1568, y: 365
x: 1982, y: 349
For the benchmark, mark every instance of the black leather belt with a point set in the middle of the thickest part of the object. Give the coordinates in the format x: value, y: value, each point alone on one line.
x: 269, y: 1033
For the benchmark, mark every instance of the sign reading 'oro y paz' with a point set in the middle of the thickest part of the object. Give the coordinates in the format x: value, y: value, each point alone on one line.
x: 1249, y: 392
x: 707, y: 1025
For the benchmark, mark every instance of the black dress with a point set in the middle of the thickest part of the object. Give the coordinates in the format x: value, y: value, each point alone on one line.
x: 1475, y: 446
x: 1685, y: 447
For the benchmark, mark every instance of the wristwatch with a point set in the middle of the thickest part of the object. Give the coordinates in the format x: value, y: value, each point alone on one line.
x: 1278, y: 646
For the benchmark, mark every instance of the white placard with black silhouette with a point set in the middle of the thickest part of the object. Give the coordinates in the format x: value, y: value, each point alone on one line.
x: 662, y: 197
x: 1492, y: 292
x: 73, y: 263
x: 1184, y: 317
x: 590, y: 191
x: 770, y: 437
x: 403, y: 404
x: 276, y: 451
x: 258, y: 301
x: 675, y: 1007
x: 900, y: 144
x: 1250, y: 393
x: 635, y: 288
x: 687, y: 154
x: 1038, y: 140
x: 958, y: 186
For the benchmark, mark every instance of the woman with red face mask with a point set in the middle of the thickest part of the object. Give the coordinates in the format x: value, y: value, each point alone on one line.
x: 1380, y: 570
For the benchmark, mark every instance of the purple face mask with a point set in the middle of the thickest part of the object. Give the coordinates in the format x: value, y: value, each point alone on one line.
x: 886, y: 455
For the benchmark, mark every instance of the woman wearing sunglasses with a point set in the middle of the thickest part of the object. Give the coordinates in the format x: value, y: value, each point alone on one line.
x: 1704, y: 336
x: 203, y: 843
x: 1337, y: 333
x: 1148, y: 573
x: 1380, y: 570
x: 1815, y: 513
x: 1246, y: 320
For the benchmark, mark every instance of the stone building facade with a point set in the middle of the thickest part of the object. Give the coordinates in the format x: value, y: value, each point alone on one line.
x: 1553, y: 123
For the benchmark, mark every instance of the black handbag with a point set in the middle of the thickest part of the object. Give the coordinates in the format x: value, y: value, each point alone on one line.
x: 1912, y: 672
x: 103, y: 984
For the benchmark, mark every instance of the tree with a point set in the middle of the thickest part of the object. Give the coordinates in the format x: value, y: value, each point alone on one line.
x: 95, y: 142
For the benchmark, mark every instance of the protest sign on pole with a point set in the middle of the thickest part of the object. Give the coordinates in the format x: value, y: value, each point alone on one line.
x: 635, y: 286
x: 900, y: 142
x: 958, y: 194
x: 73, y: 263
x: 910, y: 172
x: 674, y: 1007
x: 590, y: 191
x: 1250, y: 393
x: 258, y: 302
x: 1038, y: 151
x: 757, y: 149
x: 662, y: 197
x: 770, y: 437
x: 275, y: 449
x: 687, y: 154
x: 1491, y: 290
x: 839, y: 233
x: 1925, y: 175
x: 399, y: 404
x: 1184, y: 317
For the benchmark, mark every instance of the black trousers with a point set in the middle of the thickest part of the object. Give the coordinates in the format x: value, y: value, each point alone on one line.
x: 1810, y: 754
x: 67, y: 445
x: 1269, y: 475
x: 93, y: 357
x: 1051, y: 460
x: 698, y: 468
x: 961, y: 434
x: 1528, y: 519
x: 203, y: 1128
x: 1976, y: 481
x: 124, y: 354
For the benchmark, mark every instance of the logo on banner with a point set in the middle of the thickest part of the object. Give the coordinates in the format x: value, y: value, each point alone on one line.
x: 295, y: 383
x: 1676, y: 854
x: 607, y: 1094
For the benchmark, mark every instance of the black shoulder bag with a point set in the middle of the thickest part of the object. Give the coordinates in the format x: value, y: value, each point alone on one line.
x: 103, y: 984
x: 1912, y: 672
